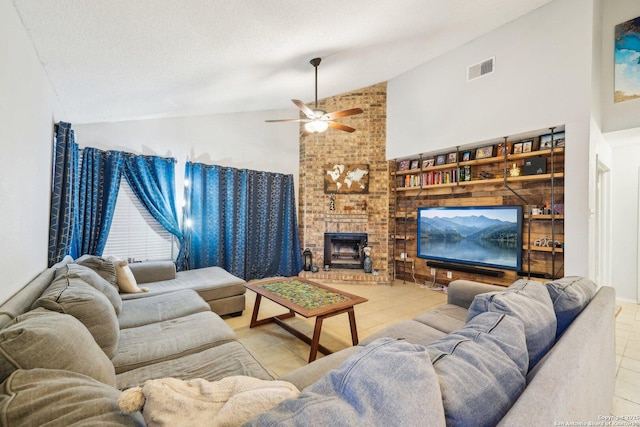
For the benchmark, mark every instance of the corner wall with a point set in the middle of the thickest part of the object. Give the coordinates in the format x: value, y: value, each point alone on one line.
x: 27, y: 105
x: 542, y: 78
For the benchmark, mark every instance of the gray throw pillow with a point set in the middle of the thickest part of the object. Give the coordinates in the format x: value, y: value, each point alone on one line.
x: 101, y: 265
x: 52, y: 397
x: 73, y: 296
x: 528, y: 301
x: 481, y: 369
x: 45, y: 339
x: 93, y: 279
x: 388, y: 382
x: 569, y: 296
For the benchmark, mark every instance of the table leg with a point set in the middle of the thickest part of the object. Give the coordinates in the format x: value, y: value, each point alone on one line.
x: 256, y: 308
x: 352, y: 323
x: 315, y: 342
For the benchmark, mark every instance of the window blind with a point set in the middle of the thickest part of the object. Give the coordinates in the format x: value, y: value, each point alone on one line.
x: 135, y: 234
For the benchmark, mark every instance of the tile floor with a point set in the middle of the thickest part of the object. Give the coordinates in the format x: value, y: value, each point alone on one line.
x: 280, y: 352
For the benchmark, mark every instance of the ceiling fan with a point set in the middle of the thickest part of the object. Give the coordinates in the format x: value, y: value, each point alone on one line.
x: 316, y: 120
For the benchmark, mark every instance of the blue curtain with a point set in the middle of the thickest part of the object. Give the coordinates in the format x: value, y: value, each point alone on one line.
x: 152, y: 180
x: 64, y: 194
x: 99, y: 186
x: 241, y: 220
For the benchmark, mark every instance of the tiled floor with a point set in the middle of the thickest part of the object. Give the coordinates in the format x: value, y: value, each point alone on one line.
x: 280, y: 352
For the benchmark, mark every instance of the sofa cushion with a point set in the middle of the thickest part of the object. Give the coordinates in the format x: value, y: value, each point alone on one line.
x: 73, y: 296
x: 94, y: 279
x: 378, y: 385
x: 171, y: 339
x: 529, y: 301
x: 447, y: 318
x: 38, y: 397
x: 481, y: 369
x: 161, y: 307
x: 212, y: 364
x: 102, y: 265
x: 569, y: 296
x: 409, y: 330
x: 46, y: 339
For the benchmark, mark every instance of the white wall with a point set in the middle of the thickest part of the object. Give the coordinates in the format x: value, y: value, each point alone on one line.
x: 26, y: 107
x: 621, y: 115
x: 240, y: 140
x: 624, y: 182
x: 542, y: 78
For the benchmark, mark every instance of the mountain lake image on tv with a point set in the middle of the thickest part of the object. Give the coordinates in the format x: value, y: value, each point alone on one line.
x: 489, y: 236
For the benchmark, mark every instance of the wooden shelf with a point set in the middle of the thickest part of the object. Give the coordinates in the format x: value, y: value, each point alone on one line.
x: 409, y: 260
x: 543, y: 249
x: 408, y: 238
x: 545, y: 217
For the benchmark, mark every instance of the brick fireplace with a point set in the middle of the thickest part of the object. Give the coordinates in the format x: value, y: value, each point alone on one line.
x: 344, y: 250
x: 354, y: 213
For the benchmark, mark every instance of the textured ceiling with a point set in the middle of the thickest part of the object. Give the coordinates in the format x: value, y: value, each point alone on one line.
x: 111, y: 60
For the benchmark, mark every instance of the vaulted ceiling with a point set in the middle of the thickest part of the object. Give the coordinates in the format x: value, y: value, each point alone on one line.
x: 111, y: 60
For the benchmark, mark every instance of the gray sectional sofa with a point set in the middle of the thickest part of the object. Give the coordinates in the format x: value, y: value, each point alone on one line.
x: 556, y: 364
x: 69, y: 342
x: 532, y: 354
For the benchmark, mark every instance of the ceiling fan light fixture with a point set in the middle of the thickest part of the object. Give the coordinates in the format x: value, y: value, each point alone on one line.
x: 316, y: 126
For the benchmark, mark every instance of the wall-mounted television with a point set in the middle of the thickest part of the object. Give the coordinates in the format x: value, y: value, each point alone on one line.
x: 489, y: 236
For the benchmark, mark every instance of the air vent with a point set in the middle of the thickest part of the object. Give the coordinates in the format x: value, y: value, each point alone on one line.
x: 480, y: 69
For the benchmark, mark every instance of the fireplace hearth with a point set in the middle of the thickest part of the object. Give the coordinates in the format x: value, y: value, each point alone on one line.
x: 344, y: 250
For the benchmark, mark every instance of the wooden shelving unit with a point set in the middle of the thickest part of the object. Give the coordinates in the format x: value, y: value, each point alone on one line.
x: 485, y: 181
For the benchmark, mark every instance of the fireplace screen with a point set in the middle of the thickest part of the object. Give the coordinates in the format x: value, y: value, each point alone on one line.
x: 344, y: 250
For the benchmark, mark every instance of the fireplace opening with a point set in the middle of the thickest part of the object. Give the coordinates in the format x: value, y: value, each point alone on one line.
x: 344, y: 250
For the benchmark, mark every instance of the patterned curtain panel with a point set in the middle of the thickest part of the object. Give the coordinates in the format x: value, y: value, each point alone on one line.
x: 152, y: 179
x: 99, y: 185
x: 241, y: 220
x: 64, y: 194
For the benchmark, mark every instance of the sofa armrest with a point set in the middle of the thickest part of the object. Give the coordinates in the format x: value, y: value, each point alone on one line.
x: 153, y: 271
x: 462, y: 292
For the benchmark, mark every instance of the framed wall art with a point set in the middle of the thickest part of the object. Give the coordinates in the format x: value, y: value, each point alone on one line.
x: 627, y: 71
x: 484, y: 152
x: 346, y: 179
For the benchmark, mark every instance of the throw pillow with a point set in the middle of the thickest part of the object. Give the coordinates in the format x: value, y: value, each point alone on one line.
x: 569, y: 296
x: 94, y: 279
x: 126, y: 280
x: 103, y: 266
x: 388, y: 382
x: 528, y: 301
x: 481, y: 369
x: 46, y: 339
x: 73, y: 296
x: 38, y: 397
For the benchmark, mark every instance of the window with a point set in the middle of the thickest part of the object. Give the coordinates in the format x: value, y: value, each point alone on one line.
x: 134, y: 232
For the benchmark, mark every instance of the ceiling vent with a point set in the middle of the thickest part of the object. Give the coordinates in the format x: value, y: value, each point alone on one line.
x: 480, y: 69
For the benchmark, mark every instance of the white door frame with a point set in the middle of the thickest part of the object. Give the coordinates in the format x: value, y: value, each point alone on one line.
x: 603, y: 245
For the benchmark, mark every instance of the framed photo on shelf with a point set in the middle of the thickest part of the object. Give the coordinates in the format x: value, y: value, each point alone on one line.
x: 502, y: 149
x: 441, y: 159
x: 466, y: 156
x: 426, y: 163
x: 484, y: 152
x: 403, y: 165
x: 452, y: 157
x: 545, y: 140
x: 527, y: 146
x: 517, y: 148
x: 414, y: 164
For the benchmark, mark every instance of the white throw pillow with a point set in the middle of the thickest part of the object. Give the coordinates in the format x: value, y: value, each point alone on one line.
x: 125, y: 278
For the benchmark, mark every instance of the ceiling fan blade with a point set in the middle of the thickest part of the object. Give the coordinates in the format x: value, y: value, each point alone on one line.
x: 287, y: 120
x: 342, y: 113
x: 306, y: 110
x: 340, y: 126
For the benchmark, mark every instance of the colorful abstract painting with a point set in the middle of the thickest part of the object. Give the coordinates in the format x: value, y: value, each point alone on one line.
x: 627, y: 60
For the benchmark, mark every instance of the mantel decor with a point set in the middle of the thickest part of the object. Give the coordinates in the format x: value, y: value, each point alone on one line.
x: 346, y: 179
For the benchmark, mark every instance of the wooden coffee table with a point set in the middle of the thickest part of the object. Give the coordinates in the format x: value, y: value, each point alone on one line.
x: 308, y: 299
